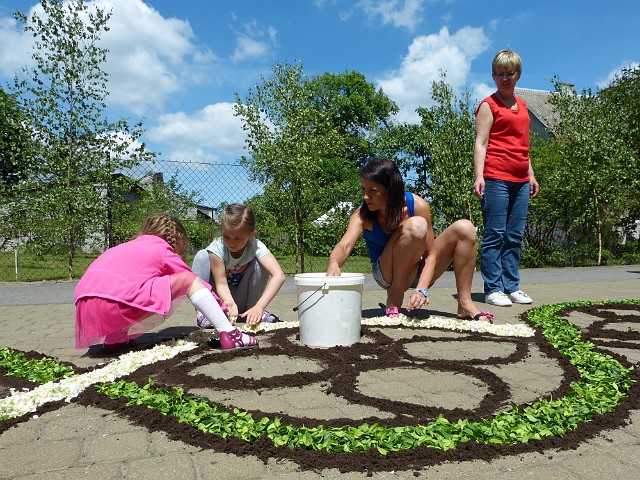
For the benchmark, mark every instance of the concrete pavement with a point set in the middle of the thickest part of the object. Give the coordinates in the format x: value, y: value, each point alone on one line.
x: 85, y: 442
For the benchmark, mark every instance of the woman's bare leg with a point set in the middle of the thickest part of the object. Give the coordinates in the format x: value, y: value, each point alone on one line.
x: 457, y: 245
x: 400, y: 259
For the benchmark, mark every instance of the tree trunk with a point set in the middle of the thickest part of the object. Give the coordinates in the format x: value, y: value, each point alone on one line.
x: 598, y: 230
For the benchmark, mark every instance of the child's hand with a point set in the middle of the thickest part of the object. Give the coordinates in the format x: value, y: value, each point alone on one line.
x: 232, y: 313
x: 253, y: 316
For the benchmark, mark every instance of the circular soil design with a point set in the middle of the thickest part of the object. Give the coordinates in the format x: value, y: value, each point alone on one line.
x: 384, y: 380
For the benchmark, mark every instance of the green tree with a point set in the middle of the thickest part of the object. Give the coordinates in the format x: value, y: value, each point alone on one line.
x: 595, y: 168
x: 356, y: 109
x: 15, y: 142
x: 289, y: 142
x: 623, y: 94
x: 623, y: 98
x: 448, y: 133
x: 406, y: 144
x: 65, y: 95
x: 16, y: 155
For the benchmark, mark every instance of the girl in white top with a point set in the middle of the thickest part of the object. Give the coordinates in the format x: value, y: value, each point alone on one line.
x: 242, y: 270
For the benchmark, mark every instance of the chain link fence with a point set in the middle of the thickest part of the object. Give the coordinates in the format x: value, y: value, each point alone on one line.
x: 195, y: 192
x: 199, y: 192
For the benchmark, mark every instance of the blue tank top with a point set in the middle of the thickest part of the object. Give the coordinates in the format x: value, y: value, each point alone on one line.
x: 377, y: 239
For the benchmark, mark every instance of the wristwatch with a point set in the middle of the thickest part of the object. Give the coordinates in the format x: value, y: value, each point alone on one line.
x: 423, y: 291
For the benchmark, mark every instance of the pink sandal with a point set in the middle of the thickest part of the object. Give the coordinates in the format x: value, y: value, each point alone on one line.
x: 484, y: 313
x: 392, y: 312
x: 236, y: 340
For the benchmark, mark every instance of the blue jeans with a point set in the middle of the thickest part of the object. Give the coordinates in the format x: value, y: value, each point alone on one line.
x: 504, y: 212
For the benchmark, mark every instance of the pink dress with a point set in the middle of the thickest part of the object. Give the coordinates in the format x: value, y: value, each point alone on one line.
x: 130, y: 289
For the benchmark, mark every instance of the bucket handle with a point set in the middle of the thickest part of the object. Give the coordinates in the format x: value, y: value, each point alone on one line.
x: 295, y: 309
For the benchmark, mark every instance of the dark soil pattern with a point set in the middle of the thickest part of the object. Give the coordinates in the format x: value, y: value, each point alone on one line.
x: 339, y: 377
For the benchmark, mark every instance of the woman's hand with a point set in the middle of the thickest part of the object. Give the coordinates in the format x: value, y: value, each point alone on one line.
x: 478, y: 188
x: 333, y: 271
x: 534, y: 188
x: 417, y: 300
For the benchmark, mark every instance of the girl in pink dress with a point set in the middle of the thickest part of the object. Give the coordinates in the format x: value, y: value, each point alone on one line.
x: 133, y: 287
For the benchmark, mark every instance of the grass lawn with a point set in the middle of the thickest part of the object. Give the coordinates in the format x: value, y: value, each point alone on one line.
x: 33, y: 268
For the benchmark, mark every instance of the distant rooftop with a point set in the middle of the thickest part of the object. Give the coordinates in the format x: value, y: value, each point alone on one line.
x: 542, y: 113
x: 538, y: 105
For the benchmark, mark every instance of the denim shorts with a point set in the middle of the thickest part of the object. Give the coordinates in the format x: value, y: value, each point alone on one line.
x: 377, y: 276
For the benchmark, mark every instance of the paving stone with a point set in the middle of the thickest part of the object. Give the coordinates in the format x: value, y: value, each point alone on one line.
x: 160, y: 445
x: 423, y: 387
x: 531, y: 378
x: 40, y: 457
x: 460, y: 351
x: 170, y: 467
x: 215, y: 466
x: 117, y: 446
x: 102, y: 471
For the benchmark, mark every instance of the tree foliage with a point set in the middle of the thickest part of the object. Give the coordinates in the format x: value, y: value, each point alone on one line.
x: 589, y: 171
x: 69, y: 189
x: 307, y: 138
x: 291, y: 143
x: 356, y: 109
x: 446, y: 157
x: 15, y: 142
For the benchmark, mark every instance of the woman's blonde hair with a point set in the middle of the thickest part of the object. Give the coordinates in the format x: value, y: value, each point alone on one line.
x: 237, y: 216
x: 506, y: 60
x: 170, y: 229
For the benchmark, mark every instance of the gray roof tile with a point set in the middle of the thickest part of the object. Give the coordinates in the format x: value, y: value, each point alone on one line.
x: 538, y: 105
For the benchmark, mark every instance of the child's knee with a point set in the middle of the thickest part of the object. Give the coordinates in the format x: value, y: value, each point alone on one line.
x: 202, y: 256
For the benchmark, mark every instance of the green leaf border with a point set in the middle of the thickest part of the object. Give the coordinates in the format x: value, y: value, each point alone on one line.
x: 40, y: 370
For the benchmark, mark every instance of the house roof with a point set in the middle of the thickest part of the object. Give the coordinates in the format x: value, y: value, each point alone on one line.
x: 538, y: 105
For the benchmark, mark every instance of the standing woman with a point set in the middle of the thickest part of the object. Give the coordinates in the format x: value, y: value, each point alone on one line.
x: 504, y: 181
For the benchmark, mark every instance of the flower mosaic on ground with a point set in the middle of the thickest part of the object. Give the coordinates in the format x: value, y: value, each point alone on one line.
x: 412, y: 393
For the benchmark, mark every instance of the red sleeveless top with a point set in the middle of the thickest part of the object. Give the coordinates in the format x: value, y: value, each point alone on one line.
x: 508, y: 147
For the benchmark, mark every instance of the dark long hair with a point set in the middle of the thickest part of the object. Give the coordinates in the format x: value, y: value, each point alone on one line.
x: 386, y: 173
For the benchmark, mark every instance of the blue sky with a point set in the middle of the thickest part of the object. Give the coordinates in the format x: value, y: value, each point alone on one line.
x: 178, y: 64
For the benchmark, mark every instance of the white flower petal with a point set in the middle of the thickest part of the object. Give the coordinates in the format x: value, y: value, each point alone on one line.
x: 502, y: 330
x: 70, y: 387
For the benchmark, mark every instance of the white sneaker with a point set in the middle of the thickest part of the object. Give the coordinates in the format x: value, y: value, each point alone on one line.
x: 499, y: 299
x: 519, y: 297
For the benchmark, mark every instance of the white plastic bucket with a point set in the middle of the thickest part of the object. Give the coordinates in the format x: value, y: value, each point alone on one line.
x: 329, y: 308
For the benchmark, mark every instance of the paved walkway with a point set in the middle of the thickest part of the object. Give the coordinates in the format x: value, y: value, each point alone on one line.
x: 82, y: 442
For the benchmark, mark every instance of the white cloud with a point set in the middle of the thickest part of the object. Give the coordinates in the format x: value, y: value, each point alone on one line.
x: 255, y: 42
x: 616, y: 73
x: 195, y: 137
x: 410, y: 85
x: 14, y: 47
x: 408, y: 15
x: 480, y: 91
x: 199, y: 159
x: 150, y: 57
x: 247, y: 48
